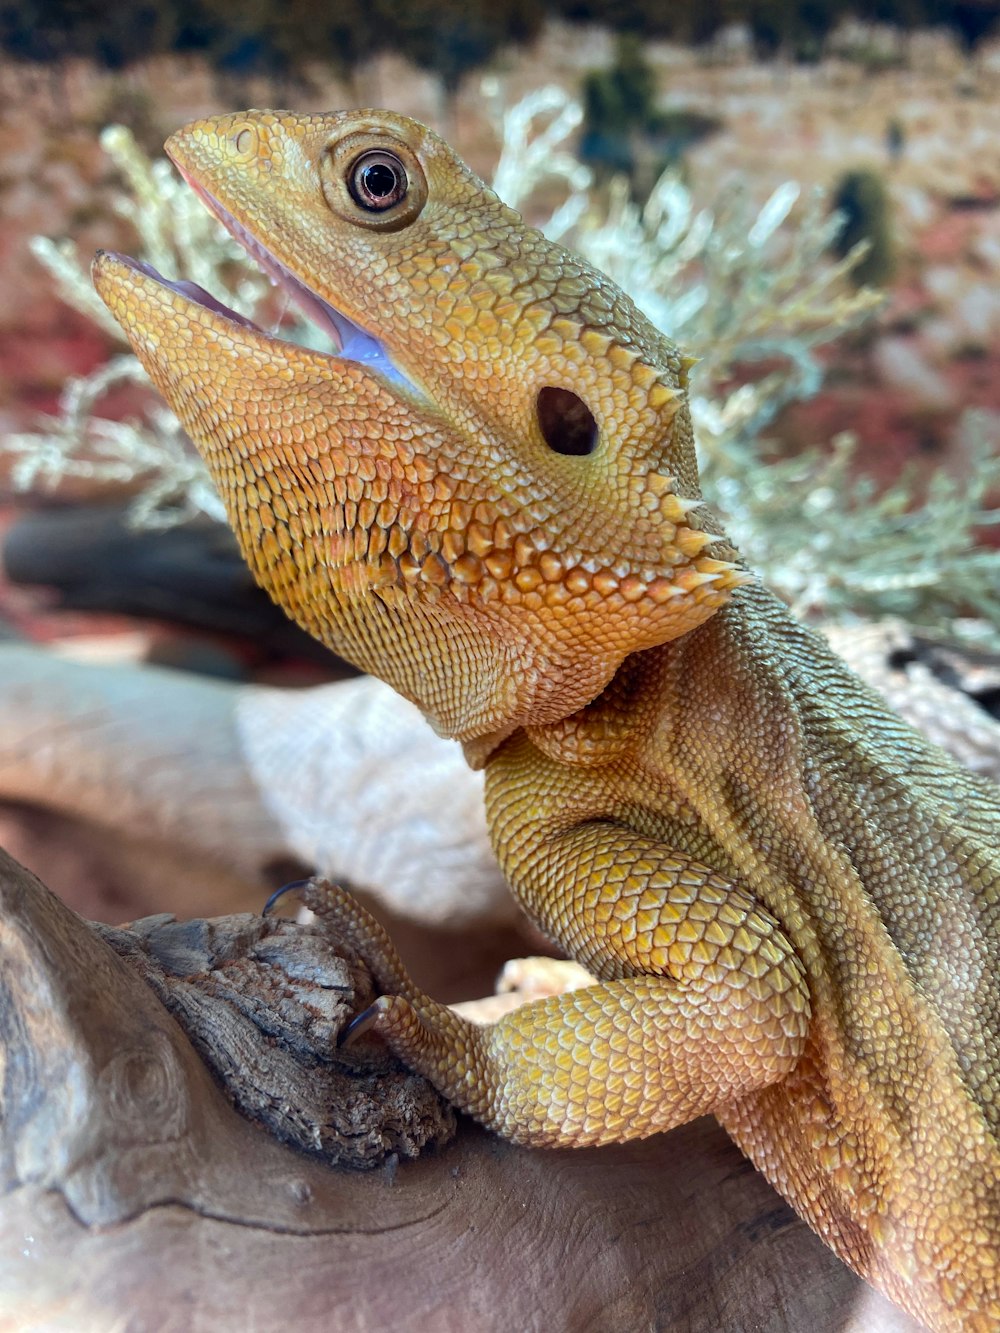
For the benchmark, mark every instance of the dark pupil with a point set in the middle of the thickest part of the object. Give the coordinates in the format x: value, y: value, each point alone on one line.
x: 379, y: 181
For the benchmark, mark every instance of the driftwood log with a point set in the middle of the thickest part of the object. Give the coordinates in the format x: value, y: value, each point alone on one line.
x: 135, y: 1196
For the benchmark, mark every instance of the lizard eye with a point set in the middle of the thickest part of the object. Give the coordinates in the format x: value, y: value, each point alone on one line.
x: 380, y: 186
x: 378, y: 181
x: 567, y: 423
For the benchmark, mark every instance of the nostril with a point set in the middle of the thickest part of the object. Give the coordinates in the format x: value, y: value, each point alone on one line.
x: 245, y: 140
x: 566, y: 422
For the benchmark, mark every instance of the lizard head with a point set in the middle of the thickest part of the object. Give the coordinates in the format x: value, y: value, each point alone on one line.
x: 486, y: 492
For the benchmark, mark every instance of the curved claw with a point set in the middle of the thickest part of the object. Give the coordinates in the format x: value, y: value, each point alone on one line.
x: 280, y: 893
x: 361, y: 1023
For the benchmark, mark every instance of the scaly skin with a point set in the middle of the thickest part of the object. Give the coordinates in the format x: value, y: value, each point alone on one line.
x: 790, y: 899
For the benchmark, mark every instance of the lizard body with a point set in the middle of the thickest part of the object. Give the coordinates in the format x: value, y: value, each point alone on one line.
x: 489, y: 498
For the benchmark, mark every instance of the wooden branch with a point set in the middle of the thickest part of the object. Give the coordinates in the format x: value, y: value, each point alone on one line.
x: 133, y: 1195
x: 191, y: 574
x: 107, y: 1101
x: 262, y: 1001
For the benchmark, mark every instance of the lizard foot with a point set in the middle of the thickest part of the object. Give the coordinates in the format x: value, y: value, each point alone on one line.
x: 424, y: 1034
x: 397, y: 1015
x: 342, y: 916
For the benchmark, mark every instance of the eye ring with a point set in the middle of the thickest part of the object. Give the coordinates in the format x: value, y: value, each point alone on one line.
x: 372, y: 179
x: 377, y: 181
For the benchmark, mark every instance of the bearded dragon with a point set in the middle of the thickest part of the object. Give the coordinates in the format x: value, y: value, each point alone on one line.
x: 487, y: 495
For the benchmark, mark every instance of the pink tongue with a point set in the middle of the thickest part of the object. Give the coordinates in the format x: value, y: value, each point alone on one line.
x: 349, y: 341
x: 194, y: 293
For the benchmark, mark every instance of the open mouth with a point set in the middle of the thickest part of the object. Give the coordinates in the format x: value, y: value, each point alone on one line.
x: 349, y: 341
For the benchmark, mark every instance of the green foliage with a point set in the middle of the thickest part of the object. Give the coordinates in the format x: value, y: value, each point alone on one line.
x: 624, y: 131
x: 833, y: 546
x: 278, y: 38
x: 113, y: 35
x: 861, y: 199
x: 452, y: 37
x: 619, y: 106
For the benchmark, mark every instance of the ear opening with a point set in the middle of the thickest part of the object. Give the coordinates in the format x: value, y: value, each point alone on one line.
x: 567, y: 423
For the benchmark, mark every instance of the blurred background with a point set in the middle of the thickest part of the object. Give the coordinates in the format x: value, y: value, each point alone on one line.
x: 806, y: 196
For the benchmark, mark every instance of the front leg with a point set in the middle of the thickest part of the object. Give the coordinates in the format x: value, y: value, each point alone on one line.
x: 702, y: 1000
